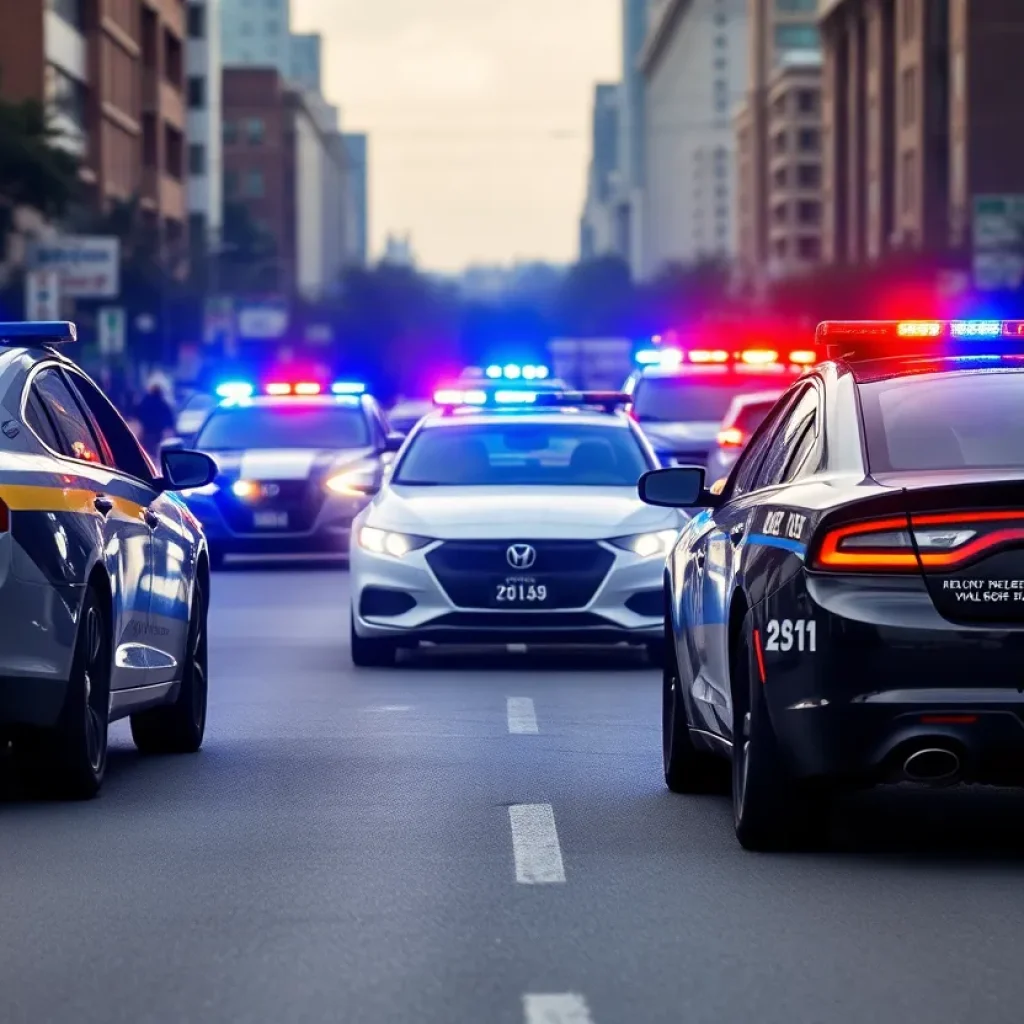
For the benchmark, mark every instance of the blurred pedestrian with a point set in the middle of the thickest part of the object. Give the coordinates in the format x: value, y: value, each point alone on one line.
x: 156, y: 419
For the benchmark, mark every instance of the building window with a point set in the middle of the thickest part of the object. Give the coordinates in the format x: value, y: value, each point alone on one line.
x: 721, y: 42
x: 807, y: 101
x: 809, y: 248
x: 70, y: 10
x: 174, y: 65
x: 196, y: 21
x: 230, y: 184
x: 780, y: 248
x: 808, y: 212
x: 196, y: 159
x: 797, y: 37
x: 780, y: 213
x: 909, y: 96
x: 909, y: 172
x: 780, y: 178
x: 174, y: 152
x: 779, y: 142
x: 808, y: 176
x: 721, y: 64
x: 795, y: 6
x: 196, y: 92
x: 245, y: 29
x: 66, y: 97
x: 149, y: 146
x: 254, y: 185
x: 254, y: 131
x: 229, y: 133
x: 809, y: 140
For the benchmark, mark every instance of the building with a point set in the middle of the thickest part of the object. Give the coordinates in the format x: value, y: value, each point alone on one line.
x: 598, y: 224
x: 257, y: 35
x: 695, y: 69
x: 128, y: 122
x: 398, y: 251
x: 285, y: 170
x: 919, y: 100
x: 203, y: 92
x: 785, y: 48
x: 306, y: 56
x: 357, y: 198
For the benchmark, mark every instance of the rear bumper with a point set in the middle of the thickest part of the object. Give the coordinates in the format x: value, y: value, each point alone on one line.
x: 889, y: 677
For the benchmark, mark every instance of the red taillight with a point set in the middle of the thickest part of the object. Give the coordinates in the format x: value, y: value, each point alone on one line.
x: 940, y: 541
x: 279, y: 389
x: 731, y: 437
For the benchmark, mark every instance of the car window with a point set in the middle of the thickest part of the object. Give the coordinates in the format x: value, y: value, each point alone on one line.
x: 39, y: 419
x: 124, y: 448
x: 74, y: 431
x: 523, y: 453
x: 750, y: 416
x: 787, y: 439
x: 800, y: 462
x: 744, y: 475
x: 292, y: 424
x: 688, y: 398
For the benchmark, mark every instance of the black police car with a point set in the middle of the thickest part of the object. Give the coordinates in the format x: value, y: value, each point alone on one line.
x: 850, y: 609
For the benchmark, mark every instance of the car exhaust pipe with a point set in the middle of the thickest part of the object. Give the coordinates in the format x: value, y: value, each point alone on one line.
x: 932, y: 764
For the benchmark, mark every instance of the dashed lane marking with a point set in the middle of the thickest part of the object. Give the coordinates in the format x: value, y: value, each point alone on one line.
x: 535, y: 846
x: 564, y: 1008
x: 522, y: 718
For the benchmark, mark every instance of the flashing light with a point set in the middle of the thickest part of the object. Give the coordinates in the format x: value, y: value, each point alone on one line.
x: 453, y: 396
x: 648, y: 357
x: 919, y: 329
x: 494, y: 372
x: 699, y: 355
x: 347, y: 387
x: 307, y: 388
x: 731, y: 437
x: 244, y: 489
x: 235, y: 389
x: 803, y: 357
x: 512, y: 372
x: 866, y: 330
x: 42, y: 332
x: 759, y: 356
x: 278, y: 388
x: 515, y: 397
x: 976, y: 328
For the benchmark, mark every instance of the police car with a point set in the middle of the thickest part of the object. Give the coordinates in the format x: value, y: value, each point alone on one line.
x: 680, y: 396
x: 745, y: 414
x: 850, y: 609
x: 104, y: 574
x: 514, y: 520
x: 295, y: 465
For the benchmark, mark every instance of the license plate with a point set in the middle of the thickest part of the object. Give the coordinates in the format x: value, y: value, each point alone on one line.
x: 515, y: 593
x: 271, y: 520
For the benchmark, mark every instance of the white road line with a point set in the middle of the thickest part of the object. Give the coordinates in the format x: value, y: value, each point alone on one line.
x: 565, y: 1008
x: 521, y: 716
x: 535, y: 844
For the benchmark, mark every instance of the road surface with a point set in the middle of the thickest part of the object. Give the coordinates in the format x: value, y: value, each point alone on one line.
x: 483, y: 840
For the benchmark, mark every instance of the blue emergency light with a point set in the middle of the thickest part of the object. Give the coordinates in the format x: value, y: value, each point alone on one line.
x: 235, y: 389
x: 348, y: 387
x: 515, y: 371
x: 659, y: 357
x: 874, y: 339
x: 41, y: 332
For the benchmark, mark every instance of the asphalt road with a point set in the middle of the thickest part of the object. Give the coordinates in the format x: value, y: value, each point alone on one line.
x: 478, y: 840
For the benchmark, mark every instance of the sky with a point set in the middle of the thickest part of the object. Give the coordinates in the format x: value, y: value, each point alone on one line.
x: 478, y: 113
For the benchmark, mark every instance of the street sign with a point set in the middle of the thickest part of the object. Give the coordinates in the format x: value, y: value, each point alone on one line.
x: 42, y: 295
x: 110, y: 330
x: 997, y: 229
x: 89, y: 265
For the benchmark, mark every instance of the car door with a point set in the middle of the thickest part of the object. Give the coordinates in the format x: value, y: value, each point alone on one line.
x: 728, y: 555
x: 169, y: 568
x: 125, y: 533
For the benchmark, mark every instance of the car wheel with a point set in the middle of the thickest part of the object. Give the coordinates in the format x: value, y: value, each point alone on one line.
x: 217, y: 559
x: 772, y: 811
x: 687, y: 769
x: 70, y: 760
x: 371, y: 653
x: 179, y: 728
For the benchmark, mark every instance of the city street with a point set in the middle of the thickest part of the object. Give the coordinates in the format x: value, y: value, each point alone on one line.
x: 475, y: 839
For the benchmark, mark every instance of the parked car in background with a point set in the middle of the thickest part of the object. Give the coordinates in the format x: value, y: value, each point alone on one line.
x: 745, y: 414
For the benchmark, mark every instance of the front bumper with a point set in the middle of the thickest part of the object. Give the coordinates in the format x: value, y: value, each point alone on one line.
x: 422, y: 610
x: 891, y: 676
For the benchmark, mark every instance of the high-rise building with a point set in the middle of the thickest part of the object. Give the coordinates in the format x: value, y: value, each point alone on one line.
x: 257, y: 34
x: 306, y: 59
x: 357, y: 195
x: 785, y: 50
x: 695, y: 66
x: 203, y: 91
x: 598, y: 223
x: 115, y: 85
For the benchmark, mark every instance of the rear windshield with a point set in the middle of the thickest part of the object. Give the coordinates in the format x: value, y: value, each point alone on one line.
x: 752, y: 415
x: 292, y: 426
x: 684, y: 400
x: 957, y: 421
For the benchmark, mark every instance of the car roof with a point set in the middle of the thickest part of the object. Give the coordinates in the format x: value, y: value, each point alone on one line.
x: 291, y: 401
x: 548, y: 417
x: 929, y: 368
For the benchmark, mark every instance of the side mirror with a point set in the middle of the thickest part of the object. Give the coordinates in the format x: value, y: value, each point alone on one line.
x: 675, y: 487
x: 172, y: 443
x: 394, y: 441
x: 184, y: 470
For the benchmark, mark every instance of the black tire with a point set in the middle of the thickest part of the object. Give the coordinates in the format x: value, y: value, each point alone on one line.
x: 687, y: 769
x: 772, y: 811
x: 69, y: 761
x: 217, y: 559
x: 371, y: 653
x: 179, y: 728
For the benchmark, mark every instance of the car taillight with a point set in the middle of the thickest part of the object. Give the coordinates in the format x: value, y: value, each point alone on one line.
x: 731, y: 437
x: 5, y: 517
x: 941, y: 541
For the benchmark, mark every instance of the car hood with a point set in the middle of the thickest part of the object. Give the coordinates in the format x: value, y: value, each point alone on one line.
x: 484, y: 513
x: 700, y: 434
x: 286, y: 463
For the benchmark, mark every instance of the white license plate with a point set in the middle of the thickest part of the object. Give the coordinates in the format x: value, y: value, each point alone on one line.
x: 271, y: 520
x: 521, y: 593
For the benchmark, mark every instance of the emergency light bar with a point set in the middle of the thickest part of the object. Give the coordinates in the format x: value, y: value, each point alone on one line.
x: 348, y: 387
x: 721, y: 360
x: 38, y: 332
x: 452, y: 398
x: 875, y: 339
x: 235, y: 389
x: 514, y: 371
x: 607, y: 400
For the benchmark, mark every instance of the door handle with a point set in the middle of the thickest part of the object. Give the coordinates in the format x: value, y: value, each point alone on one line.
x: 152, y: 519
x: 103, y: 505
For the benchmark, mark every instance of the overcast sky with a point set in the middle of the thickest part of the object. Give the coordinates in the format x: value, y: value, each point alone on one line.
x: 478, y: 113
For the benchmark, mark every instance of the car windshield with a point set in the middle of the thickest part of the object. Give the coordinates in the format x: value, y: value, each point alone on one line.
x: 955, y: 421
x: 294, y: 426
x: 683, y: 400
x: 523, y: 453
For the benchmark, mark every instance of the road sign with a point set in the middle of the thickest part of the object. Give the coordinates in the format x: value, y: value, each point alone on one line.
x: 997, y: 229
x: 110, y: 330
x: 89, y: 265
x: 42, y: 295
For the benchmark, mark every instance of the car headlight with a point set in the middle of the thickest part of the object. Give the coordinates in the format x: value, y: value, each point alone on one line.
x: 207, y: 490
x: 386, y: 542
x: 357, y: 480
x: 648, y: 545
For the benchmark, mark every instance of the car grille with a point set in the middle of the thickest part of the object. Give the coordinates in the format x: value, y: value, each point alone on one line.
x: 300, y: 500
x: 471, y: 571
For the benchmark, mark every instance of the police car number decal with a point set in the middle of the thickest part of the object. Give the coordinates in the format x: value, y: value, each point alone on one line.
x: 785, y: 634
